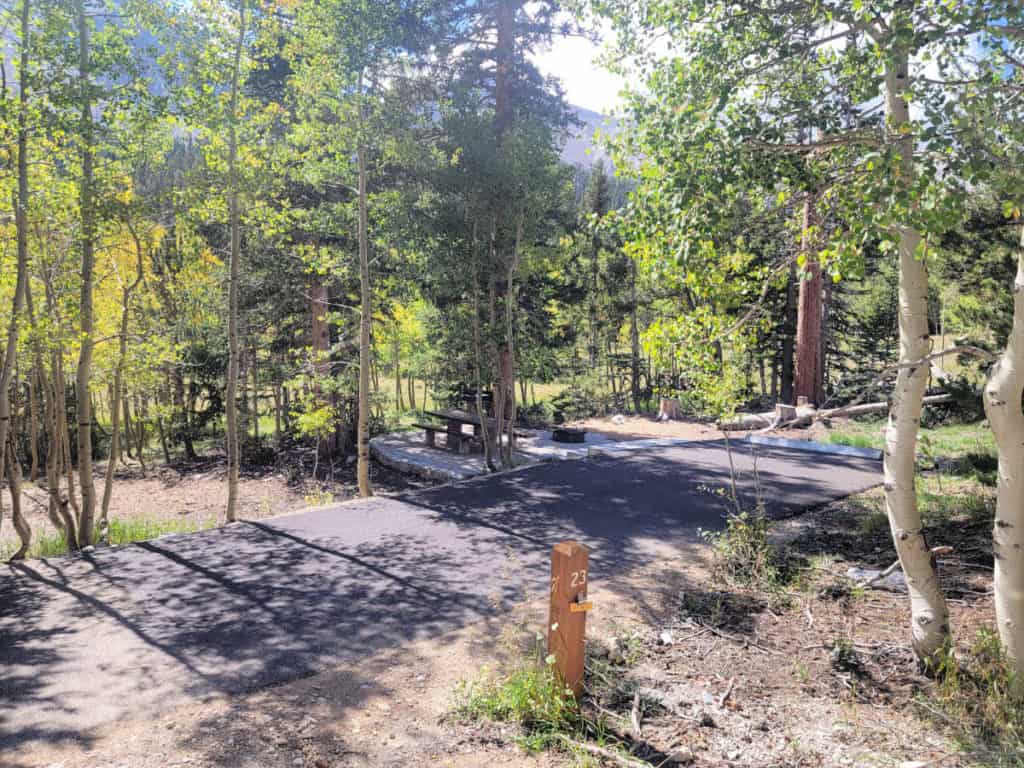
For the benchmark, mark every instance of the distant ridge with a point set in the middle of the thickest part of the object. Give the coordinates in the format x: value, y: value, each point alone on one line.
x: 581, y: 138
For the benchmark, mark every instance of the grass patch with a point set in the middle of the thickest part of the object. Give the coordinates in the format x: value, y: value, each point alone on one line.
x: 320, y: 497
x: 120, y: 532
x: 530, y: 696
x: 142, y: 529
x: 982, y: 703
x: 948, y: 440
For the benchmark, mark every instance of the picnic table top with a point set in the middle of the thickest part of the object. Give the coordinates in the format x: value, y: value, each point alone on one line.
x: 460, y: 416
x: 457, y: 414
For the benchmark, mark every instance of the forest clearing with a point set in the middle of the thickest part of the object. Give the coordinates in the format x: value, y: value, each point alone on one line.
x: 511, y: 382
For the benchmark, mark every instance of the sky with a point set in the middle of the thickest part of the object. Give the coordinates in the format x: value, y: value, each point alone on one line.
x: 586, y: 83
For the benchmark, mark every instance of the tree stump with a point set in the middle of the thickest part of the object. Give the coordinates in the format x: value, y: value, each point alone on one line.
x: 668, y: 409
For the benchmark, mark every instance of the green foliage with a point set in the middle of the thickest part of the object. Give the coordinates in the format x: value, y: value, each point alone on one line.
x: 143, y: 529
x: 981, y: 702
x: 737, y: 118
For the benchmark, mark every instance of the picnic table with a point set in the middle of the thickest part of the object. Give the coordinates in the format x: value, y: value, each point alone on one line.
x: 455, y: 439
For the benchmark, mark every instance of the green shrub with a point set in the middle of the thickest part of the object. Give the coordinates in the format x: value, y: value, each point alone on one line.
x: 742, y: 553
x: 538, y: 415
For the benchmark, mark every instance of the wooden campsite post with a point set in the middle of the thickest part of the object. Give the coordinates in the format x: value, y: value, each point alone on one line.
x: 568, y: 615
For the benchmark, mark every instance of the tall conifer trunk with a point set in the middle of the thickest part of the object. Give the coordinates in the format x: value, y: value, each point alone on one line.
x: 809, y: 317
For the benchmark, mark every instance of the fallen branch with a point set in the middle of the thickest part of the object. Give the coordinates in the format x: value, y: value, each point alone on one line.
x: 728, y: 692
x: 936, y: 552
x: 634, y: 715
x: 742, y: 640
x: 608, y: 754
x: 769, y: 421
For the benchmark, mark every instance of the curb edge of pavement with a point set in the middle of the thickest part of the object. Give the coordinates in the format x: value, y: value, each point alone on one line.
x: 812, y: 446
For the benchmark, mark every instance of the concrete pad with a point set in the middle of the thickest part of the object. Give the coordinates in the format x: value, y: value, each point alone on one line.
x: 408, y: 452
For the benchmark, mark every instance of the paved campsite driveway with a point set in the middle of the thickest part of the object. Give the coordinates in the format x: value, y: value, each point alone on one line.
x: 136, y: 630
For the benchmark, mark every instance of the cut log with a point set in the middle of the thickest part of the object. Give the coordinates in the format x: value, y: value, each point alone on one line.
x: 784, y: 412
x: 745, y: 422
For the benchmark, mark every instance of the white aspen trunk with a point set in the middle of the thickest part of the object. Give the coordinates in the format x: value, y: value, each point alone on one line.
x: 365, y: 318
x: 929, y: 614
x: 20, y: 289
x: 234, y: 216
x: 17, y: 516
x: 83, y: 374
x: 1003, y: 408
x: 115, y: 393
x: 21, y: 222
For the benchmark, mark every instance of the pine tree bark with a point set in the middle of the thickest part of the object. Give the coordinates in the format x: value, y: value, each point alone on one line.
x: 808, y: 325
x: 255, y: 370
x: 786, y: 363
x: 478, y: 360
x: 235, y: 224
x: 277, y: 414
x: 1003, y: 395
x: 929, y: 613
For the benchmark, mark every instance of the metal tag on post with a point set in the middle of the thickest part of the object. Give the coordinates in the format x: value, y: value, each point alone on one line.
x: 568, y: 614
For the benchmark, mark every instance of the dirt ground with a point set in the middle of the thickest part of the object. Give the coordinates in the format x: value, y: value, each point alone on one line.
x: 644, y: 427
x: 726, y: 677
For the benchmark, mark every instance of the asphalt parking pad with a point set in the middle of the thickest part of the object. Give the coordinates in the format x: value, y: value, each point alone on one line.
x: 135, y: 630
